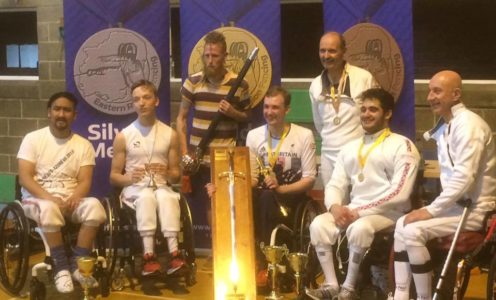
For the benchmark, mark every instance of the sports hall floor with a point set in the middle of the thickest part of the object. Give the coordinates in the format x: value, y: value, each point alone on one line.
x: 202, y: 290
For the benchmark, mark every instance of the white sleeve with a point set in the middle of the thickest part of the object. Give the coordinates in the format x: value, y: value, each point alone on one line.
x: 337, y: 188
x: 27, y: 150
x: 467, y: 145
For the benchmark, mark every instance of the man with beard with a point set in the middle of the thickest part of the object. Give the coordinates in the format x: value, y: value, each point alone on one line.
x: 381, y: 168
x: 334, y: 94
x: 204, y: 93
x: 55, y: 172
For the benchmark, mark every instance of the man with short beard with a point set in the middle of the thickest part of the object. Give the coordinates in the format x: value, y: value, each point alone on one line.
x: 204, y: 93
x: 55, y: 172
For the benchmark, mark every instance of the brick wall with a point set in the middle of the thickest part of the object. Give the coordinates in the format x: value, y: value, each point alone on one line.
x: 23, y: 102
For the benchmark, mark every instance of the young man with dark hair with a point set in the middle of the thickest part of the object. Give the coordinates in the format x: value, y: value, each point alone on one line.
x: 381, y: 168
x: 55, y: 172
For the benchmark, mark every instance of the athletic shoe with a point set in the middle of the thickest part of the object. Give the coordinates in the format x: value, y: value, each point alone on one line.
x: 63, y: 282
x: 175, y: 264
x: 150, y: 265
x: 325, y: 291
x: 346, y: 294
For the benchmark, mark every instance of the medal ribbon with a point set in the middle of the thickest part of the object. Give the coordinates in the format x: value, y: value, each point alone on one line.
x: 363, y: 159
x: 273, y: 157
x: 342, y: 82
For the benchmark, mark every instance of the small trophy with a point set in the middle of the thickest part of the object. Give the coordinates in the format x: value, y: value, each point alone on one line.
x: 85, y: 267
x: 274, y: 255
x: 151, y: 184
x: 298, y: 262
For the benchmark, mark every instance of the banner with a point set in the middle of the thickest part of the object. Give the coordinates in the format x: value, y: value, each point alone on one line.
x: 109, y: 45
x: 372, y: 23
x: 260, y: 18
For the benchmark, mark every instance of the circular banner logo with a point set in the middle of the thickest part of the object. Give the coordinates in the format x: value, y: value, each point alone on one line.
x: 373, y: 48
x: 107, y: 65
x: 240, y: 43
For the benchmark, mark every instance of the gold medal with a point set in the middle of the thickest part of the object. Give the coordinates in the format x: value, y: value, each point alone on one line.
x: 240, y: 42
x: 361, y: 177
x: 337, y: 120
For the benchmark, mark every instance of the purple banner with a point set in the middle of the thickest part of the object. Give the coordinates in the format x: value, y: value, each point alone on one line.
x: 262, y: 19
x: 396, y: 17
x: 109, y: 45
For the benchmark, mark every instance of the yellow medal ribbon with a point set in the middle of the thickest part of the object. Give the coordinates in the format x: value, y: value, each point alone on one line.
x: 363, y: 159
x: 273, y: 157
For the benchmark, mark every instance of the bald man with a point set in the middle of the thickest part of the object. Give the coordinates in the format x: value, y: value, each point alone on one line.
x: 467, y: 159
x: 334, y: 94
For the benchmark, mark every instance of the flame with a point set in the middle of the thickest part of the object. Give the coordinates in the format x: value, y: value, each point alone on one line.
x: 234, y: 272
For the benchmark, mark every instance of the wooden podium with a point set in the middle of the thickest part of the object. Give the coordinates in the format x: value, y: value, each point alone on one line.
x: 232, y: 234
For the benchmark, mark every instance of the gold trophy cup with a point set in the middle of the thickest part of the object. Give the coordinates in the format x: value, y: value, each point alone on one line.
x: 274, y: 255
x: 85, y: 267
x: 298, y: 262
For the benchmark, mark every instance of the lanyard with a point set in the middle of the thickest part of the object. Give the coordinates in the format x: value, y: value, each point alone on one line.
x: 273, y: 156
x: 363, y: 159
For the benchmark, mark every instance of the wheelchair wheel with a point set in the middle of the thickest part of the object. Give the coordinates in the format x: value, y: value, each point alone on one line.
x: 304, y: 216
x: 106, y: 239
x: 491, y: 280
x: 186, y: 241
x: 462, y: 279
x: 14, y: 243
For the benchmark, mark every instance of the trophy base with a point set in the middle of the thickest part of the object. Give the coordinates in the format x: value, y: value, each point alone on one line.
x: 235, y: 297
x: 274, y: 296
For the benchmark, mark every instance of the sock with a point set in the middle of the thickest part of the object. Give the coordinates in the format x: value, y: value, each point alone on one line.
x: 148, y: 244
x: 402, y: 273
x: 420, y: 263
x: 172, y: 243
x: 324, y: 253
x: 59, y: 258
x: 356, y: 256
x: 77, y: 252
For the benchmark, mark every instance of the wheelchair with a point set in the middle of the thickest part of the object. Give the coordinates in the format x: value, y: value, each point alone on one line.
x: 19, y: 234
x: 121, y: 241
x: 472, y: 249
x: 295, y: 234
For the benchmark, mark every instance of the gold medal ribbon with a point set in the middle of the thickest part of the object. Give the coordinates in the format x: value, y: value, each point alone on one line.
x: 273, y: 157
x: 342, y: 83
x: 363, y: 159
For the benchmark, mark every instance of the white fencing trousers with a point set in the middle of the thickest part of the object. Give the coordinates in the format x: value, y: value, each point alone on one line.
x: 324, y: 232
x: 163, y: 201
x: 48, y: 216
x: 327, y: 162
x: 420, y: 232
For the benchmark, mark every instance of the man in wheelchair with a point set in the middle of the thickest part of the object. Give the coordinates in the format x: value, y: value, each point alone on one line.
x: 145, y: 162
x: 284, y: 154
x: 55, y: 171
x: 467, y: 159
x: 381, y: 168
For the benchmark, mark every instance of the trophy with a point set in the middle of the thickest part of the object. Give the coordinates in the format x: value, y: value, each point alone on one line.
x: 151, y: 184
x: 274, y: 255
x: 85, y: 267
x: 267, y: 171
x: 298, y: 262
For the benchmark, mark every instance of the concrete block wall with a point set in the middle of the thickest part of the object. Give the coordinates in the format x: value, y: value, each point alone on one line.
x: 23, y: 102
